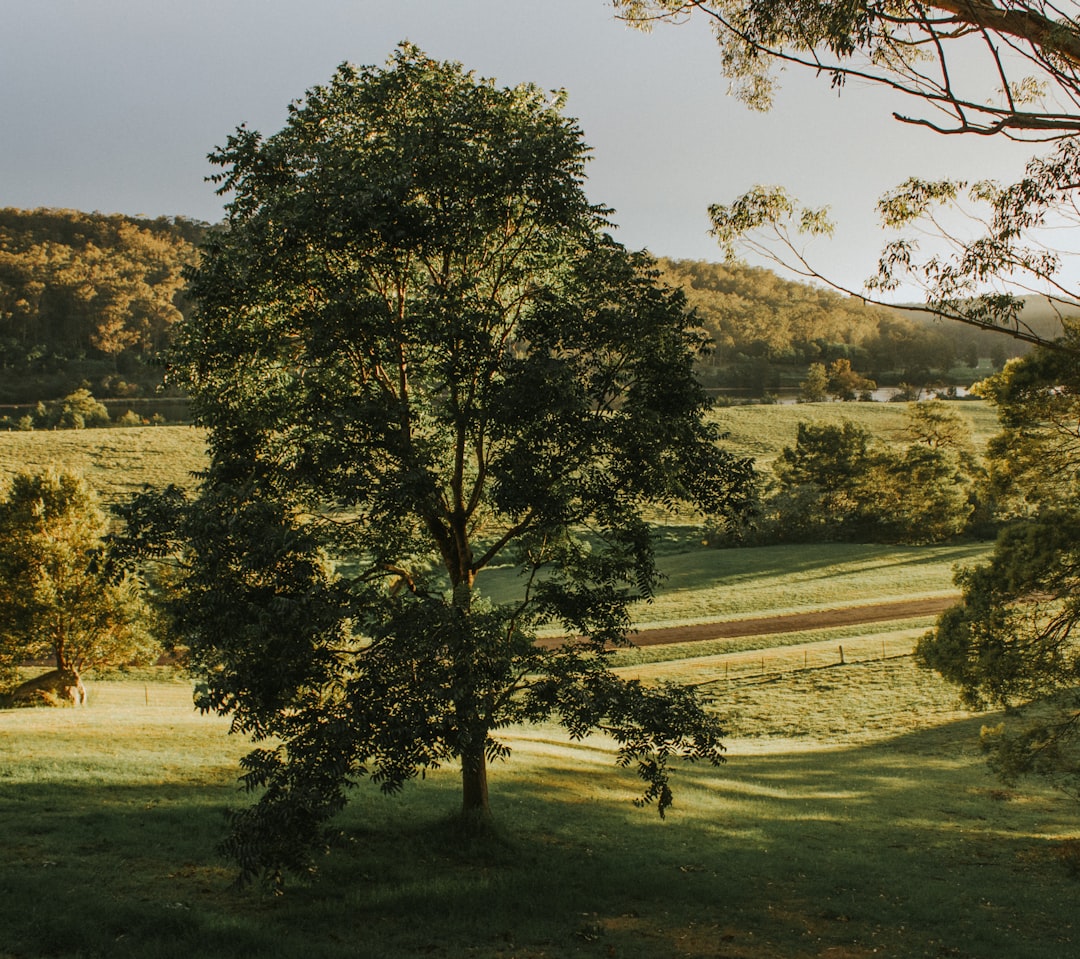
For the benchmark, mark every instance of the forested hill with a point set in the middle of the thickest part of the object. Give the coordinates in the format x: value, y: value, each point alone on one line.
x: 87, y: 296
x: 763, y: 324
x: 90, y: 299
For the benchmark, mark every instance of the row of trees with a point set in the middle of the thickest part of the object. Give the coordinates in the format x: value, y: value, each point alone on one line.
x: 840, y: 483
x: 84, y: 286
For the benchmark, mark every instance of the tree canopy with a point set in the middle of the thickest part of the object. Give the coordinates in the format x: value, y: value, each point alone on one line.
x: 419, y: 355
x: 1005, y: 68
x: 836, y: 483
x: 1011, y: 642
x: 77, y: 285
x: 59, y: 596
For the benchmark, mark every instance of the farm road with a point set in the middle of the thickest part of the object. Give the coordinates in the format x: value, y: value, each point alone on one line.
x: 787, y: 622
x: 796, y: 622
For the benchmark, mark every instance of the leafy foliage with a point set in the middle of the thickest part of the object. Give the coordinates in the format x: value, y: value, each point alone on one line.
x: 76, y: 285
x: 59, y: 595
x: 836, y: 483
x: 1012, y: 639
x: 419, y: 356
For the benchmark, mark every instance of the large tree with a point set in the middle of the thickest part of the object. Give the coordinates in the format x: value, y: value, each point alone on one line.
x: 420, y: 356
x: 1012, y: 641
x: 1006, y: 68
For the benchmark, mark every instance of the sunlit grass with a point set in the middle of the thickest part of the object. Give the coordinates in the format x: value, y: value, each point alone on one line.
x: 763, y: 431
x: 900, y: 844
x: 116, y: 462
x: 708, y: 584
x: 703, y: 585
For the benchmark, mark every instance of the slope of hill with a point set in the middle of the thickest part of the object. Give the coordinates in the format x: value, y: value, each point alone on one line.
x: 87, y: 297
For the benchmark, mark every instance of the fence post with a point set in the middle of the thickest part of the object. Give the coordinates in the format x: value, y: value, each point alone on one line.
x: 841, y: 655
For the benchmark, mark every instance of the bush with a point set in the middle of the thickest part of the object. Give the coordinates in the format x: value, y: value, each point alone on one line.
x: 130, y: 418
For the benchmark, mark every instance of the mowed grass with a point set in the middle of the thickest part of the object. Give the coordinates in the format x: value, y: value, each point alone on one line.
x: 116, y: 462
x: 894, y: 842
x: 763, y: 431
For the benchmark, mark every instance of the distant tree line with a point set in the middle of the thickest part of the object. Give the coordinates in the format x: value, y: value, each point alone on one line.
x: 767, y: 330
x: 88, y: 296
x: 88, y: 299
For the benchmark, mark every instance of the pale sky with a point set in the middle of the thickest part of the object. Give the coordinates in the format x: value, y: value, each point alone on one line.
x: 112, y: 105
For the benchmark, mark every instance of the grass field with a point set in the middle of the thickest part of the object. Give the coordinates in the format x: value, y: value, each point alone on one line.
x: 855, y: 817
x: 703, y: 584
x: 763, y: 431
x: 893, y: 841
x: 117, y: 461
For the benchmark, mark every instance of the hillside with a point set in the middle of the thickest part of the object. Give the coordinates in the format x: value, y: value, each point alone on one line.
x: 91, y: 299
x: 767, y: 330
x: 88, y: 297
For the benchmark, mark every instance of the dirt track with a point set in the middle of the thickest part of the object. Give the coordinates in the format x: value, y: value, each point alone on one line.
x: 794, y: 622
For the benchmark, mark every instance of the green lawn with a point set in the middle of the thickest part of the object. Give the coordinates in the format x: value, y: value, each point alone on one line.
x: 116, y: 462
x: 894, y: 842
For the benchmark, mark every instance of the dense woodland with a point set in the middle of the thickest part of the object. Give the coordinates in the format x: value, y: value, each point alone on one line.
x: 89, y: 300
x: 767, y: 331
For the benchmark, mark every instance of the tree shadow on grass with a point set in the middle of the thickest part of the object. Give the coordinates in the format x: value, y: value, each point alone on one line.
x: 906, y: 848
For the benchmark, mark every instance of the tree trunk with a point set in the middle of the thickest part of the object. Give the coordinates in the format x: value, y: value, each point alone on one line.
x: 474, y: 786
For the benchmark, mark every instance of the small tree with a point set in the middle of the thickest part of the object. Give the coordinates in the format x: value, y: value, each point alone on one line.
x: 78, y: 410
x: 419, y: 356
x: 815, y: 388
x: 845, y: 384
x: 58, y: 595
x: 820, y: 482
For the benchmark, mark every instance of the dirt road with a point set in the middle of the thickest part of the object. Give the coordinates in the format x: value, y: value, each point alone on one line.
x: 788, y: 623
x: 795, y: 622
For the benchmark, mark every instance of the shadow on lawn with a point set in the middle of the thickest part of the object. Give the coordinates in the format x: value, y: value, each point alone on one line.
x: 905, y: 849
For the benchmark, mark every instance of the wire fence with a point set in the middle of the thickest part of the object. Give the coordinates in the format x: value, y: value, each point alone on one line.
x: 769, y: 666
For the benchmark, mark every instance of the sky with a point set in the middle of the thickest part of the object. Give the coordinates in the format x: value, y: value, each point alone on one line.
x: 113, y: 105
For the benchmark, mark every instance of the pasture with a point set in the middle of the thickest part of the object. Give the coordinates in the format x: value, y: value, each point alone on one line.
x: 855, y: 816
x: 864, y: 837
x: 117, y: 461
